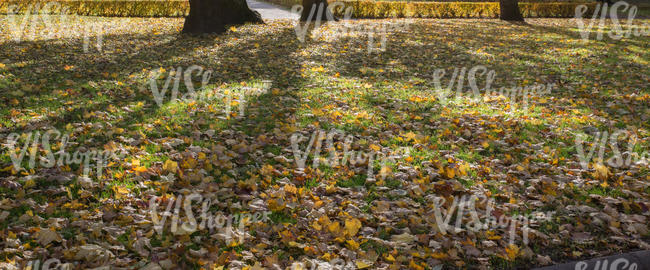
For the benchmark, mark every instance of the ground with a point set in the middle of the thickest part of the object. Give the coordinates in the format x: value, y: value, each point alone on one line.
x: 523, y: 156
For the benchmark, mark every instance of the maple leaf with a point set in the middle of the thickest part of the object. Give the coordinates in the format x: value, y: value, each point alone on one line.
x: 170, y: 166
x: 409, y: 136
x: 361, y: 264
x: 352, y: 226
x: 601, y: 171
x: 375, y: 147
x: 511, y: 252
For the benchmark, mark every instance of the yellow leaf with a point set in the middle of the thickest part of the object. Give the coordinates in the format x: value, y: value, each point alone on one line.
x: 602, y: 172
x: 334, y: 227
x: 415, y: 266
x: 330, y: 189
x: 463, y: 169
x: 29, y: 183
x: 492, y: 236
x: 375, y: 147
x: 512, y: 251
x: 385, y: 171
x: 120, y: 191
x: 276, y: 205
x: 410, y: 135
x: 316, y: 226
x: 450, y: 172
x: 362, y: 264
x: 353, y: 245
x: 170, y: 166
x: 189, y: 163
x: 318, y: 204
x: 290, y: 188
x: 352, y: 226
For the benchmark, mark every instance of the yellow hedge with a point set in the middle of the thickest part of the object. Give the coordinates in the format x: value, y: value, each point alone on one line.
x: 361, y: 9
x: 543, y: 10
x: 371, y: 9
x: 374, y: 9
x: 404, y: 9
x: 139, y: 8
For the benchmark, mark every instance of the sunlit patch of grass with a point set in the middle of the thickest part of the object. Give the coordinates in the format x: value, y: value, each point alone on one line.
x: 612, y: 192
x: 334, y: 84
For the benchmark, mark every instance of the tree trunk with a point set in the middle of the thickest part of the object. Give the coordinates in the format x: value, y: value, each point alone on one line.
x: 212, y: 16
x: 316, y: 10
x: 510, y: 10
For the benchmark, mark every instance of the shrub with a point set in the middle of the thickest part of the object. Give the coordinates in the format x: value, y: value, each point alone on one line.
x: 373, y: 9
x: 139, y: 8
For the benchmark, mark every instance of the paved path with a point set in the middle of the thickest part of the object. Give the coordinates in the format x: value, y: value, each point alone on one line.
x: 271, y: 11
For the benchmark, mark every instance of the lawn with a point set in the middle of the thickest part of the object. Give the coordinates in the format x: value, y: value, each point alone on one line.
x: 234, y: 144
